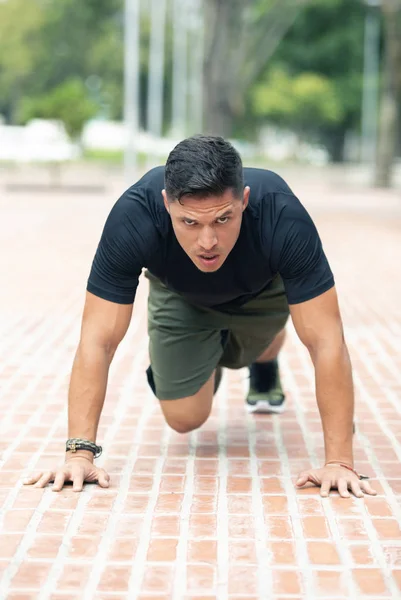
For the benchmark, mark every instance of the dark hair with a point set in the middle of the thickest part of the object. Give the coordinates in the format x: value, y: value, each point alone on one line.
x: 203, y: 166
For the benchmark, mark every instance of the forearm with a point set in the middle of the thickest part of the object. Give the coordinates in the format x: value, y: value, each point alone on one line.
x: 87, y: 390
x: 335, y: 399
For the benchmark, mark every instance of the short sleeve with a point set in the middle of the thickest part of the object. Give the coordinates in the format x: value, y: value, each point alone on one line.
x: 297, y: 254
x: 128, y: 237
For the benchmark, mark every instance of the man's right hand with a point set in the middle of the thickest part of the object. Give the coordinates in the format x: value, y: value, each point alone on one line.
x: 77, y: 470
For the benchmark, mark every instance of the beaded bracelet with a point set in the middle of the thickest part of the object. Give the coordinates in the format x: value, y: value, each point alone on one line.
x: 74, y: 444
x: 340, y: 464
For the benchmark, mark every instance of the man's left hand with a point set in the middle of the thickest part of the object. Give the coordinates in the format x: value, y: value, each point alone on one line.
x: 336, y: 477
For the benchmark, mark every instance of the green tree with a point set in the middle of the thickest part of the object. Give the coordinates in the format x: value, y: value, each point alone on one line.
x: 20, y: 41
x: 68, y: 102
x: 390, y: 106
x: 305, y: 103
x: 327, y: 39
x: 250, y: 38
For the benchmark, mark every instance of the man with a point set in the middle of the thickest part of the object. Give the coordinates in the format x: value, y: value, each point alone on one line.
x: 229, y: 253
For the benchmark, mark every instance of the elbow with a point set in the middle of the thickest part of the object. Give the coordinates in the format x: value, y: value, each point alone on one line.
x: 328, y: 348
x: 93, y: 345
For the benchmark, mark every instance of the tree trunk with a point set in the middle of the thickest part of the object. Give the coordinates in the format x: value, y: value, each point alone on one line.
x: 238, y: 44
x: 387, y: 133
x: 391, y: 94
x: 222, y: 25
x: 335, y: 143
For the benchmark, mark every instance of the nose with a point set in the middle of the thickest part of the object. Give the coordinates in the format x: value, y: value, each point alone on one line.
x: 207, y: 238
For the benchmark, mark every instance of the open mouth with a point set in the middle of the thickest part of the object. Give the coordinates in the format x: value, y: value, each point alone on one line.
x: 209, y: 259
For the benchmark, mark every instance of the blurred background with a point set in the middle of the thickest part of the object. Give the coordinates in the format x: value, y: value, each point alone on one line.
x: 110, y: 86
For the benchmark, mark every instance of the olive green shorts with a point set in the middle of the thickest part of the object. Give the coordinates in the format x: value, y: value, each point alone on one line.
x: 187, y: 342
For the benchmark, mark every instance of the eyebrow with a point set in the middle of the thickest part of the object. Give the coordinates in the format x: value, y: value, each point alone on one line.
x: 225, y: 214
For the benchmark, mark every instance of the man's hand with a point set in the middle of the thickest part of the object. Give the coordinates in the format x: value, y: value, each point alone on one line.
x: 76, y: 470
x: 336, y: 477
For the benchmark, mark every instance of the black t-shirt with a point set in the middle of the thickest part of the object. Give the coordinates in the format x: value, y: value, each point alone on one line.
x: 277, y: 236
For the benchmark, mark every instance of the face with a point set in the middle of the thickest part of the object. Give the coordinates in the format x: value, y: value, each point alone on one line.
x: 207, y: 228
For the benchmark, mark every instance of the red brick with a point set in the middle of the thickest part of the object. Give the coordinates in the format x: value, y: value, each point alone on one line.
x: 84, y: 547
x: 279, y: 527
x: 370, y: 581
x: 387, y: 529
x: 32, y: 574
x: 323, y: 553
x: 115, y: 579
x: 9, y: 544
x: 315, y: 527
x: 242, y: 580
x: 203, y: 551
x: 74, y: 577
x: 283, y: 553
x: 157, y: 579
x: 162, y: 549
x: 287, y: 582
x: 202, y: 526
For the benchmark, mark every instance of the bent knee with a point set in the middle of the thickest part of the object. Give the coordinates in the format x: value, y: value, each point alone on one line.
x: 185, y: 426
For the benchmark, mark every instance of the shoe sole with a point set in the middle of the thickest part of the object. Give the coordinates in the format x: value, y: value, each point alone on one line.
x: 263, y: 407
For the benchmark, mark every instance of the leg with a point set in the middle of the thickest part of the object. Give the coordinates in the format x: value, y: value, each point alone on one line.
x: 265, y: 390
x: 185, y: 347
x: 273, y: 349
x: 187, y: 414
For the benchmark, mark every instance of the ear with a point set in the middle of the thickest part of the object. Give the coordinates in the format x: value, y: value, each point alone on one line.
x: 165, y: 200
x: 247, y: 191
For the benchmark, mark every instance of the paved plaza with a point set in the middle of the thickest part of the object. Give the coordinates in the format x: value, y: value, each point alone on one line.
x: 212, y: 515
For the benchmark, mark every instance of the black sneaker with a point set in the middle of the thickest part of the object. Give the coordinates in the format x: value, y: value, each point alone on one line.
x: 265, y: 392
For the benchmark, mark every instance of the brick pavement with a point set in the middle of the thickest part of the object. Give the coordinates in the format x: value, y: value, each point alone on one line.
x: 214, y: 514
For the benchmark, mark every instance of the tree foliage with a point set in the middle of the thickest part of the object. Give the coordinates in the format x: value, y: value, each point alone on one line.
x: 304, y: 103
x: 68, y: 102
x: 298, y: 63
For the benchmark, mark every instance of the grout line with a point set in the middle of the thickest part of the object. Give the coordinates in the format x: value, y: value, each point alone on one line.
x: 48, y: 493
x: 222, y: 510
x: 15, y: 333
x: 372, y: 405
x: 293, y: 509
x: 344, y: 553
x: 47, y: 325
x: 377, y: 547
x: 157, y: 563
x: 22, y: 396
x: 180, y: 579
x: 86, y: 495
x: 263, y: 554
x: 25, y: 544
x: 35, y: 417
x: 47, y: 497
x: 140, y: 562
x: 343, y: 550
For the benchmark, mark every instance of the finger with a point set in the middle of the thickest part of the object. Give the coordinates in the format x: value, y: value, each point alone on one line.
x: 78, y: 480
x: 367, y: 488
x: 356, y: 489
x: 59, y: 481
x: 302, y: 479
x: 342, y: 487
x: 325, y: 487
x: 44, y: 479
x: 103, y: 478
x: 32, y: 479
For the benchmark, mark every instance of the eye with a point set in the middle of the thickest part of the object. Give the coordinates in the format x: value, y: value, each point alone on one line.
x: 223, y: 220
x: 189, y: 222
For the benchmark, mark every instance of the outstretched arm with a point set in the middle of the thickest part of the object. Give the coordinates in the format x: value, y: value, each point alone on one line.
x: 319, y: 326
x: 104, y: 325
